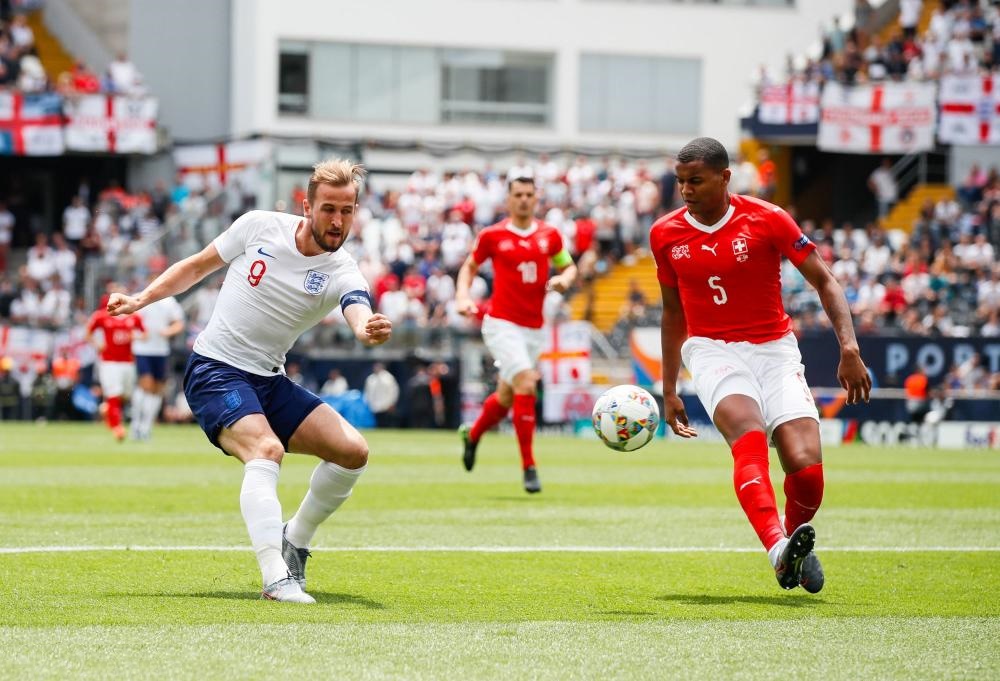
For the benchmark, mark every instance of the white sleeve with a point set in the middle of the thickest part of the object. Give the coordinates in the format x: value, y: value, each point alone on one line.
x: 176, y: 311
x: 353, y: 286
x: 233, y: 242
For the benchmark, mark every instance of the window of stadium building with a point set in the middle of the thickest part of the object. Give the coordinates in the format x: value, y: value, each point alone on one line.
x: 491, y: 86
x: 401, y: 84
x: 293, y: 79
x: 621, y: 93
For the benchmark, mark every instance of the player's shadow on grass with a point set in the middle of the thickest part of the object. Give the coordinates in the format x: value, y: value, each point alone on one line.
x: 702, y: 599
x: 320, y: 596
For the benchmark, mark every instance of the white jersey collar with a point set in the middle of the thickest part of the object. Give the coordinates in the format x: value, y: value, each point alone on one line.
x: 709, y: 229
x: 522, y: 232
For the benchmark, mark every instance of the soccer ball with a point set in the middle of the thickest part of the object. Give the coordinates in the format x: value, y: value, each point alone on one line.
x: 626, y: 417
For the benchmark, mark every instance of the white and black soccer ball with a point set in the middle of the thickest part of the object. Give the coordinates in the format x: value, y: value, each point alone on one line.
x: 626, y: 417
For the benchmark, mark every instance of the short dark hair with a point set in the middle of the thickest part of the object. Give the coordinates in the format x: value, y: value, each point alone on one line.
x: 707, y: 150
x: 522, y: 179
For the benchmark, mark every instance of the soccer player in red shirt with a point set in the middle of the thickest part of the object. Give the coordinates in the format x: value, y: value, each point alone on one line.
x: 521, y: 249
x: 116, y: 370
x: 718, y: 261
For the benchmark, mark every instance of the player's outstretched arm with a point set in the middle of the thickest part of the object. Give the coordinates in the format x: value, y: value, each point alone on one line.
x: 851, y: 372
x: 673, y: 331
x: 177, y: 278
x: 463, y: 282
x: 370, y: 328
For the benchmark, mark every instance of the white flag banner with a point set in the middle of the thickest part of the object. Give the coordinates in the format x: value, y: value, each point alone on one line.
x: 31, y: 124
x: 566, y: 355
x: 881, y: 118
x: 134, y: 124
x: 970, y: 110
x: 794, y: 103
x: 210, y: 166
x: 115, y: 124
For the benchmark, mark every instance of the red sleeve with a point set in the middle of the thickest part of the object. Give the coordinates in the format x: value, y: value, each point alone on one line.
x: 664, y: 270
x: 481, y: 249
x: 788, y: 238
x: 138, y: 323
x: 92, y: 323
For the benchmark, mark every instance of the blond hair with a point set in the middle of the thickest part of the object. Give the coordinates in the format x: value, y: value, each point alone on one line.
x: 336, y: 172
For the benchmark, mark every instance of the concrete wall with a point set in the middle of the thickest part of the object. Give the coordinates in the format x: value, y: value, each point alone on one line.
x: 731, y: 41
x: 182, y: 48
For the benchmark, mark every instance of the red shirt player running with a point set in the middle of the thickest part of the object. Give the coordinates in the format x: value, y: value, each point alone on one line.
x: 718, y: 261
x: 115, y: 369
x: 521, y: 249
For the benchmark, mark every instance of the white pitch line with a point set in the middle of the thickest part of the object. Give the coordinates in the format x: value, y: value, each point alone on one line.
x: 507, y: 549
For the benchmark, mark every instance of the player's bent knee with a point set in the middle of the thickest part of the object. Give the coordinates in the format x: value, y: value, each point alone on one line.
x: 354, y: 454
x: 270, y: 449
x: 525, y: 382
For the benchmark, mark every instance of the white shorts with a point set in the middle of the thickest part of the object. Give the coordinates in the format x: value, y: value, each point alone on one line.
x: 117, y: 378
x: 515, y: 348
x: 771, y: 373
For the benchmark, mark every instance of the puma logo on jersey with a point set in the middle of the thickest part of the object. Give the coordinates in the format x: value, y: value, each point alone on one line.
x: 711, y: 249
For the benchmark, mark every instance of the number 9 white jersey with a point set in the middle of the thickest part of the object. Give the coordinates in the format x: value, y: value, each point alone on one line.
x: 272, y: 293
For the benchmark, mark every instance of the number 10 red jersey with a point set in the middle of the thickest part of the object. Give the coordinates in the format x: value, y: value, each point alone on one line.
x: 520, y: 268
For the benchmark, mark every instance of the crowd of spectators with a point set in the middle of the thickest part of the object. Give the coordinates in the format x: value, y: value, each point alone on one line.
x: 21, y: 68
x: 940, y: 279
x: 962, y: 38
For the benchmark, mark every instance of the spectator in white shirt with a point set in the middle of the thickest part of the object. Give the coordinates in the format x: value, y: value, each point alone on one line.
x: 56, y: 306
x: 65, y: 260
x: 125, y: 78
x: 877, y: 256
x: 75, y: 219
x: 335, y: 384
x: 7, y: 223
x: 41, y: 260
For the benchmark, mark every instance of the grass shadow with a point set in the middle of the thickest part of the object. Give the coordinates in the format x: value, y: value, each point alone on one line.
x: 323, y: 597
x: 702, y: 599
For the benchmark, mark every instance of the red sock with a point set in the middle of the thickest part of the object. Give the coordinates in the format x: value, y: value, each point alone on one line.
x: 114, y: 415
x: 493, y: 413
x: 803, y: 495
x: 524, y: 426
x: 753, y: 487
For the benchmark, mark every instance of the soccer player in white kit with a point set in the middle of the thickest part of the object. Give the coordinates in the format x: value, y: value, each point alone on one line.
x: 163, y: 320
x: 718, y: 261
x: 285, y: 274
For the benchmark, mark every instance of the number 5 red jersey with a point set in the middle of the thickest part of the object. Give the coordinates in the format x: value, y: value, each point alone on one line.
x: 728, y: 275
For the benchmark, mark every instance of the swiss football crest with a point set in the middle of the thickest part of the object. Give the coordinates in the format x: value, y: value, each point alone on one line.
x: 315, y: 282
x: 741, y: 250
x: 678, y: 252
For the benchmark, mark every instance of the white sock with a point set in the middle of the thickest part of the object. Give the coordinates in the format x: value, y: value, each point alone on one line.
x: 138, y: 408
x: 262, y: 514
x: 328, y: 489
x: 774, y: 552
x: 153, y: 403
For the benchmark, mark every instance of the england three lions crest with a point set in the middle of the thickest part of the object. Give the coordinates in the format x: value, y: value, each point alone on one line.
x: 315, y: 282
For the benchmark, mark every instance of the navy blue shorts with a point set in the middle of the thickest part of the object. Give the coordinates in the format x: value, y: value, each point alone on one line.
x: 151, y: 365
x: 220, y: 394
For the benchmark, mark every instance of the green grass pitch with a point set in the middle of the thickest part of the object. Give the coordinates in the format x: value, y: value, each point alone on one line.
x: 131, y: 561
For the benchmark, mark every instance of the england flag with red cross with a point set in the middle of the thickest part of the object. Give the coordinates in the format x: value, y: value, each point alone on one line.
x: 970, y: 110
x: 793, y: 103
x: 877, y: 118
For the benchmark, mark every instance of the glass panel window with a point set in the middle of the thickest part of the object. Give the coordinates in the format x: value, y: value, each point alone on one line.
x: 642, y: 94
x: 491, y: 86
x: 293, y: 81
